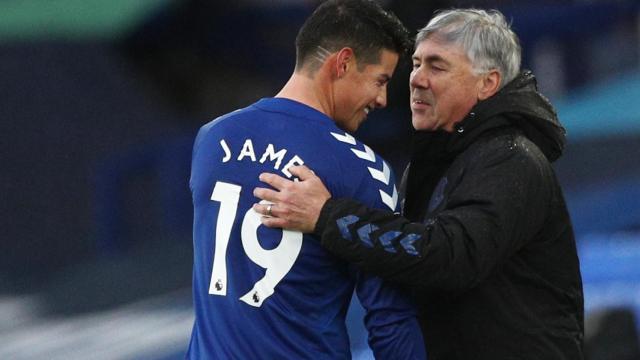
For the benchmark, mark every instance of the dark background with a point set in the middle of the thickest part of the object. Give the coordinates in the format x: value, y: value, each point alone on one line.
x: 99, y: 104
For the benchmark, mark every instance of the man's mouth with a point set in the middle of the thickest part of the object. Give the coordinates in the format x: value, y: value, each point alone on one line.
x: 420, y: 104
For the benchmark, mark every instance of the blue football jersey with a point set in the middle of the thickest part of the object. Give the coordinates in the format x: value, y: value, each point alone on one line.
x: 263, y: 293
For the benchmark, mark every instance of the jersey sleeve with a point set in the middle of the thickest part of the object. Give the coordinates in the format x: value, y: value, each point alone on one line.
x: 390, y: 317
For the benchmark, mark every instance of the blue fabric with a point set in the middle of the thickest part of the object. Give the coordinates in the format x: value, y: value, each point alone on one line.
x: 300, y: 312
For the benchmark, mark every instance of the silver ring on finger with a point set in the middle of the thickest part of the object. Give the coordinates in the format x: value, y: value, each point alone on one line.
x: 269, y: 209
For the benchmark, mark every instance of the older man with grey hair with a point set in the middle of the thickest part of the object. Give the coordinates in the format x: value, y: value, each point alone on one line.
x: 484, y: 242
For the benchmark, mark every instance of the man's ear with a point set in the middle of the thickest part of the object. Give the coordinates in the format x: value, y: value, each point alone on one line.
x: 489, y: 84
x: 345, y: 58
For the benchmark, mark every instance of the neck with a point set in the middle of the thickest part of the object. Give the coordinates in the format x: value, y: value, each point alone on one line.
x: 313, y: 91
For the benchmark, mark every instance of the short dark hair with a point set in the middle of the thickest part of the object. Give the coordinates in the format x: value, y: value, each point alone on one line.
x: 362, y: 25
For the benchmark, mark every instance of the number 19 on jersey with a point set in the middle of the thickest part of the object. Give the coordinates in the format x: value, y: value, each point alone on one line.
x: 277, y: 261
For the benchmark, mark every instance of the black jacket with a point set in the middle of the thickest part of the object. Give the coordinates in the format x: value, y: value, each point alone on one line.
x: 486, y: 245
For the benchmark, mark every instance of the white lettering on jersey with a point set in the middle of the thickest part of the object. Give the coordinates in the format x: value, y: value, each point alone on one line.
x: 270, y: 152
x: 247, y: 150
x: 293, y: 162
x: 227, y: 151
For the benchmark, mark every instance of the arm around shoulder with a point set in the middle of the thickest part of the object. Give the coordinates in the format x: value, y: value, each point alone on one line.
x: 487, y: 216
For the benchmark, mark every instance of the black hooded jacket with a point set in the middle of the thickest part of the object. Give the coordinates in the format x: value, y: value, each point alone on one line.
x: 486, y: 245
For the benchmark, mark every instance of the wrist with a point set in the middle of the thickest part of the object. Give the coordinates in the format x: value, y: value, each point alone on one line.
x: 323, y: 218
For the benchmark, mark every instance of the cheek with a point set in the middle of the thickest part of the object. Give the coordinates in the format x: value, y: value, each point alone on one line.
x: 373, y: 90
x: 367, y: 96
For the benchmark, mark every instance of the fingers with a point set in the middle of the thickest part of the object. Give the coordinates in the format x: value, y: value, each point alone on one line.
x: 273, y: 222
x: 266, y: 209
x: 279, y: 182
x: 281, y: 215
x: 266, y: 194
x: 302, y: 172
x: 274, y: 180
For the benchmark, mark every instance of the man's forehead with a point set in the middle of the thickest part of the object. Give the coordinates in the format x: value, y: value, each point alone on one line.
x: 430, y: 47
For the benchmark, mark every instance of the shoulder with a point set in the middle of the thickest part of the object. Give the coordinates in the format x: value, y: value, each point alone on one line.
x: 358, y: 158
x: 505, y: 169
x: 503, y: 162
x: 362, y: 173
x: 509, y: 147
x: 228, y: 120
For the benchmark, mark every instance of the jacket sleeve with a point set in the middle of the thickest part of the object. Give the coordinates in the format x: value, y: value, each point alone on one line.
x: 491, y: 211
x: 391, y: 319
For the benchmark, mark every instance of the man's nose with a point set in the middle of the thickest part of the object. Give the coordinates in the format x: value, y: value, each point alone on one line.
x: 381, y: 99
x: 418, y: 78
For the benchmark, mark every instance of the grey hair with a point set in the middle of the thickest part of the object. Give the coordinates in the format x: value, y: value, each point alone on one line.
x: 485, y: 36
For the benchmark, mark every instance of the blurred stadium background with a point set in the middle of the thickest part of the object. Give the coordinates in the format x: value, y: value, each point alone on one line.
x: 99, y: 104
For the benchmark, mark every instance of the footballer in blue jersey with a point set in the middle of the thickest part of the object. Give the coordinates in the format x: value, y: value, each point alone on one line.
x: 263, y: 293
